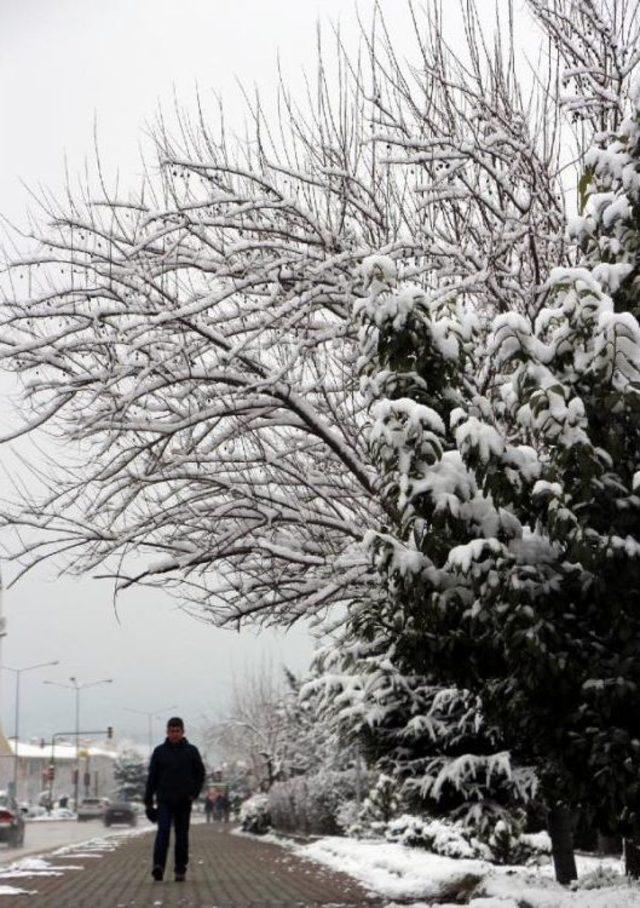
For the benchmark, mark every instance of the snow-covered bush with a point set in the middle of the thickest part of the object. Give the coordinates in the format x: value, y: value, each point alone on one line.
x: 537, y: 846
x: 506, y: 845
x: 347, y: 818
x: 600, y: 878
x: 448, y: 839
x: 254, y: 814
x: 312, y: 804
x: 382, y: 801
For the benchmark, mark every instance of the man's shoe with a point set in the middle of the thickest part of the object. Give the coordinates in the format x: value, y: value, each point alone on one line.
x: 157, y: 873
x: 180, y: 877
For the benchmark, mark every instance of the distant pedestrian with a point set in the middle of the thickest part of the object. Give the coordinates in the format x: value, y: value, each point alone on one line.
x: 208, y: 806
x: 224, y: 806
x: 176, y: 776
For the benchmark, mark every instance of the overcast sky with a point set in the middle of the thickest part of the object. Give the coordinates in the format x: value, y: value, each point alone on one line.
x: 64, y: 63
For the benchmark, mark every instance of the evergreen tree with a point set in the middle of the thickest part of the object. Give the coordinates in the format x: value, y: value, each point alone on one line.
x: 417, y: 362
x: 513, y: 561
x: 574, y: 388
x: 130, y: 773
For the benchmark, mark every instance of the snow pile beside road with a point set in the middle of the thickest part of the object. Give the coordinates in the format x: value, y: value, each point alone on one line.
x: 98, y: 845
x: 398, y: 872
x: 39, y: 866
x: 35, y: 867
x: 58, y: 813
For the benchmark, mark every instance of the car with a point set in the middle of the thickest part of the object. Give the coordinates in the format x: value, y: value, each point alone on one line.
x: 120, y: 812
x: 11, y: 821
x: 91, y: 809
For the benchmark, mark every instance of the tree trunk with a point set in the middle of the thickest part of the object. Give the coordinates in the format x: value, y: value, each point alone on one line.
x: 561, y: 834
x: 632, y: 858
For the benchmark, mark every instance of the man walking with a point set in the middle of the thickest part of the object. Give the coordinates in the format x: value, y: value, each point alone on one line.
x: 176, y: 775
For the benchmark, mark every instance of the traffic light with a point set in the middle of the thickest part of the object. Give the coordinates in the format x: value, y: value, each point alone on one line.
x: 109, y: 732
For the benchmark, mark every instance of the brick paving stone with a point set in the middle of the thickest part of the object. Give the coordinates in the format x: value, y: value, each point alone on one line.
x: 225, y: 871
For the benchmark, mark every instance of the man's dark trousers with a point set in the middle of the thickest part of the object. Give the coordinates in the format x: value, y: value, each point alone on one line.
x: 178, y: 815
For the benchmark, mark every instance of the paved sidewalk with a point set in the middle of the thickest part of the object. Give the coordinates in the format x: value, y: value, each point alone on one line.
x: 225, y: 871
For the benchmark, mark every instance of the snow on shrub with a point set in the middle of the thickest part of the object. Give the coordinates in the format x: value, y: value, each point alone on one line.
x: 506, y: 844
x: 509, y: 845
x: 347, y: 816
x: 378, y: 808
x: 311, y: 804
x: 600, y: 878
x: 447, y: 839
x: 383, y: 800
x: 538, y: 843
x: 254, y: 814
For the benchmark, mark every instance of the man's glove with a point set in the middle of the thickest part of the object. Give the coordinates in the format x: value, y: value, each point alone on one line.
x: 151, y: 812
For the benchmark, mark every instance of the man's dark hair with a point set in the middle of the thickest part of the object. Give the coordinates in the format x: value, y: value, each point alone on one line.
x: 175, y: 722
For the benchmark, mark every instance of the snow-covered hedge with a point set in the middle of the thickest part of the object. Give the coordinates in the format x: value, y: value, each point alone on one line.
x: 254, y: 814
x: 312, y: 804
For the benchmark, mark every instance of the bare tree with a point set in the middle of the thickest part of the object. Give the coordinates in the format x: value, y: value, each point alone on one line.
x: 598, y: 41
x: 192, y: 344
x: 269, y: 730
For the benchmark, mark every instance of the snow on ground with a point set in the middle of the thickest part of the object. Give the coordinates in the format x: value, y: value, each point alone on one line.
x: 39, y: 866
x: 43, y: 838
x: 100, y: 844
x: 393, y: 870
x: 525, y: 888
x: 58, y: 813
x: 272, y: 838
x: 397, y: 872
x: 13, y: 890
x: 36, y: 867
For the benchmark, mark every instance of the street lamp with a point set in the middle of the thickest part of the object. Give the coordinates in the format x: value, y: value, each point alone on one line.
x: 77, y: 687
x: 16, y: 728
x: 150, y: 717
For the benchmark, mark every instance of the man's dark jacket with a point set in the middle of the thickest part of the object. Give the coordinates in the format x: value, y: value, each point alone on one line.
x: 176, y: 773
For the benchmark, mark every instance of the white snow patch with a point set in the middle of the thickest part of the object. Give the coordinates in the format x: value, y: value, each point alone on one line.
x: 398, y: 872
x: 35, y: 867
x: 392, y: 870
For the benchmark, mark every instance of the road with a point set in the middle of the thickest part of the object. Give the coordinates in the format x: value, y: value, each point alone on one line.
x: 44, y: 836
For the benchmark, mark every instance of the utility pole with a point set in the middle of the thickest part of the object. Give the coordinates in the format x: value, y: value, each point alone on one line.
x: 16, y: 721
x: 150, y: 717
x: 77, y: 687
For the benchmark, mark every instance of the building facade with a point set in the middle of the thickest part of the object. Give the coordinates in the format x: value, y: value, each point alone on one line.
x: 48, y: 773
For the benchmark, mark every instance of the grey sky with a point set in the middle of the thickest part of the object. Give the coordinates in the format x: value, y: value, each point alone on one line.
x: 62, y: 63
